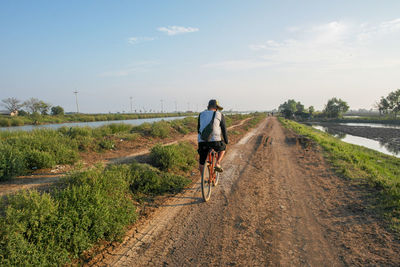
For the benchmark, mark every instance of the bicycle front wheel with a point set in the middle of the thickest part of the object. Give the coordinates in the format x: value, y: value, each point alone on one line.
x: 217, y: 174
x: 206, y: 182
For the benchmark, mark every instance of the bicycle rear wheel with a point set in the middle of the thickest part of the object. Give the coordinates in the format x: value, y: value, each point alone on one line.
x: 206, y: 182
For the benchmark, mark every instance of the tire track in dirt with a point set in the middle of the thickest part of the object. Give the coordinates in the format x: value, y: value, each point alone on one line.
x: 277, y: 204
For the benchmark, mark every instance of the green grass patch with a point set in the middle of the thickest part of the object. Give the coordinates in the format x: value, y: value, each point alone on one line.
x: 356, y: 162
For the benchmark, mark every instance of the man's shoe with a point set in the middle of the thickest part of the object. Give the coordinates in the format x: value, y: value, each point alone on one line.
x: 218, y: 168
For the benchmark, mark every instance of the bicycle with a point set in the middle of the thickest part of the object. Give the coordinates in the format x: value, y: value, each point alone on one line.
x: 209, y: 177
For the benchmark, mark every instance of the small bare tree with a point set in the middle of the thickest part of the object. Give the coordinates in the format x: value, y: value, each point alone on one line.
x: 11, y: 104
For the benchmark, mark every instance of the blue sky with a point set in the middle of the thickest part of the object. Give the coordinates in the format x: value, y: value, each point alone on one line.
x: 248, y: 54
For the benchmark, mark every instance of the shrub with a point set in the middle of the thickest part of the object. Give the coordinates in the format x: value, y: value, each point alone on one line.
x: 119, y: 127
x: 147, y: 180
x: 173, y: 157
x: 185, y: 125
x: 27, y: 234
x: 143, y: 129
x: 74, y: 132
x: 12, y: 161
x: 39, y: 159
x: 49, y: 229
x: 5, y: 123
x: 106, y: 144
x: 17, y: 122
x: 160, y: 129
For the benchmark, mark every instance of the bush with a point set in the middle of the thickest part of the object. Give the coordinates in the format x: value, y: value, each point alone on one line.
x: 106, y: 144
x: 147, y: 180
x: 39, y: 159
x: 160, y: 129
x: 144, y: 129
x: 173, y: 157
x: 119, y: 127
x: 27, y: 235
x: 12, y: 161
x: 38, y: 149
x: 49, y: 229
x: 17, y: 122
x: 5, y: 123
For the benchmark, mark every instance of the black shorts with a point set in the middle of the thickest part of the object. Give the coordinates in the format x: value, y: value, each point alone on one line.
x: 204, y: 147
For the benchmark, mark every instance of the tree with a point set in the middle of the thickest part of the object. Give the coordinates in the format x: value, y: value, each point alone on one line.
x: 383, y: 106
x: 289, y: 108
x: 394, y: 101
x: 311, y: 110
x: 34, y: 105
x: 299, y: 108
x: 11, y: 104
x: 335, y: 108
x: 57, y: 110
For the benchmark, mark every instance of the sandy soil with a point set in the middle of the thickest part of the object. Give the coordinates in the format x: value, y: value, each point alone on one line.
x: 278, y: 204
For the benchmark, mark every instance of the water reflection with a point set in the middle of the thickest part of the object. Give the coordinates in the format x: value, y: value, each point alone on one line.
x: 393, y: 146
x: 390, y: 148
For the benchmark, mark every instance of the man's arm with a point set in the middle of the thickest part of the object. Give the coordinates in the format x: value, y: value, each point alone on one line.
x: 198, y: 124
x: 223, y: 129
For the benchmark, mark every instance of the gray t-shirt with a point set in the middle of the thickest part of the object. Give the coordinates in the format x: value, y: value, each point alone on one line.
x: 219, y: 129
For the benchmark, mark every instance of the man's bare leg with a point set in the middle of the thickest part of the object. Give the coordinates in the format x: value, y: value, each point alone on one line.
x: 221, y: 155
x: 201, y: 168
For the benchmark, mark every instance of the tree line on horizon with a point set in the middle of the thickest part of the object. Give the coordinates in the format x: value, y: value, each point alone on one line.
x: 334, y: 108
x: 32, y: 106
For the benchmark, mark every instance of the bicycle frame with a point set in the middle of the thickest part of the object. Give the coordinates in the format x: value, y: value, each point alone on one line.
x: 211, y: 160
x: 209, y: 177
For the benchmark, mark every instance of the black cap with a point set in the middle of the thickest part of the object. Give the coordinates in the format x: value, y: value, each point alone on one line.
x: 214, y: 104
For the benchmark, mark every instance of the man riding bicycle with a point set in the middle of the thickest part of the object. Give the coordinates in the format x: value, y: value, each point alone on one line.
x: 213, y: 119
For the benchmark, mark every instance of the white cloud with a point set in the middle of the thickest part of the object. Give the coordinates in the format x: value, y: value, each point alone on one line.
x: 132, y: 69
x: 174, y: 30
x: 238, y: 64
x: 137, y: 40
x: 332, y: 46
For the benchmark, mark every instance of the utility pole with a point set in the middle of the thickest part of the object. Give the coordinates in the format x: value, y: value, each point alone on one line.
x: 76, y: 98
x: 188, y: 106
x: 162, y: 106
x: 176, y: 106
x: 131, y: 98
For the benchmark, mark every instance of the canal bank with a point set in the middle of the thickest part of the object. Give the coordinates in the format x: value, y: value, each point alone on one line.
x: 382, y: 138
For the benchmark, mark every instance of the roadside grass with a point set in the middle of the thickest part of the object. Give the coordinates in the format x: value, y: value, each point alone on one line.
x: 381, y: 171
x: 255, y: 119
x: 41, y: 229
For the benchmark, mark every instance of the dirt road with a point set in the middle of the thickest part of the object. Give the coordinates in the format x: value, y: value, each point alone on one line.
x: 277, y: 205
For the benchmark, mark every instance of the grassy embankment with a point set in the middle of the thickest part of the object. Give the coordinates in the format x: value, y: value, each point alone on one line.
x: 380, y: 171
x: 7, y: 121
x: 363, y: 119
x: 92, y: 205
